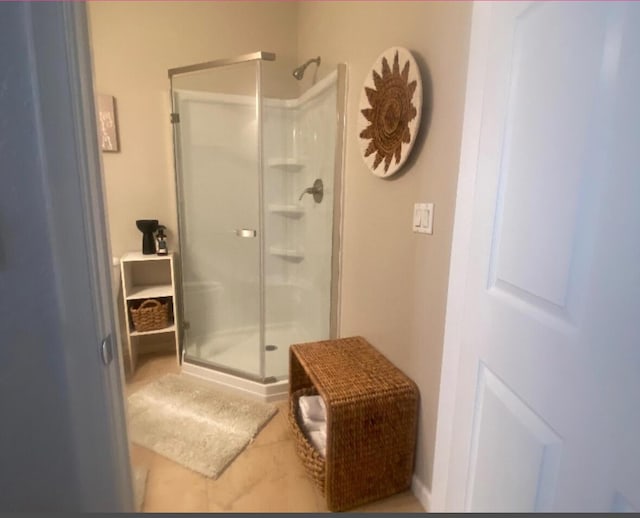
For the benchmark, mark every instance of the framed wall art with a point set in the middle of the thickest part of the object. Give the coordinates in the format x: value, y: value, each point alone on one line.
x: 107, y: 123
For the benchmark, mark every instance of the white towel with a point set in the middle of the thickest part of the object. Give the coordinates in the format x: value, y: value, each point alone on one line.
x: 319, y: 440
x: 312, y: 408
x: 313, y: 412
x: 313, y: 426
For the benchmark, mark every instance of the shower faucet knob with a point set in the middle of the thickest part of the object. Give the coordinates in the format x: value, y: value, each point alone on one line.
x: 317, y: 189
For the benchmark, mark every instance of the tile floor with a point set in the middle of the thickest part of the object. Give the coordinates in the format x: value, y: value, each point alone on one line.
x: 266, y: 477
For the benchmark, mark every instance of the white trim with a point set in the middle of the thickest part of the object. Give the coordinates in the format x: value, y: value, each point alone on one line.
x: 250, y: 100
x: 70, y: 159
x: 478, y: 55
x: 213, y: 97
x: 421, y: 492
x: 315, y: 90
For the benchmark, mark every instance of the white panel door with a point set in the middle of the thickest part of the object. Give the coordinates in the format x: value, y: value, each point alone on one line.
x: 547, y: 411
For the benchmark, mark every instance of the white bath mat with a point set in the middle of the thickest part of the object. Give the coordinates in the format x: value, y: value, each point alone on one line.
x: 193, y: 424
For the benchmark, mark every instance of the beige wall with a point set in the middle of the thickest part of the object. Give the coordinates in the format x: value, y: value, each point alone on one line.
x: 134, y: 44
x: 394, y: 282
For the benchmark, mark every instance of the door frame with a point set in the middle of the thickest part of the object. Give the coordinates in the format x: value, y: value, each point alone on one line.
x: 459, y: 262
x: 62, y: 84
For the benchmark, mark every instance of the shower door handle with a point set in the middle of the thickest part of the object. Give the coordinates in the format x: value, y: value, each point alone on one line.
x: 246, y: 232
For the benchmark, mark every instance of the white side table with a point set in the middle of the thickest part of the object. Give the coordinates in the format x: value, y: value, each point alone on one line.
x: 148, y: 277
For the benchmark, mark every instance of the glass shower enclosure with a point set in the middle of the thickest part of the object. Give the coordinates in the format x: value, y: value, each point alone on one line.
x: 258, y: 168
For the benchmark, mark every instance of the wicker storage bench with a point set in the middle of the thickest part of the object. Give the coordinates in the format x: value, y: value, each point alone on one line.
x: 371, y: 420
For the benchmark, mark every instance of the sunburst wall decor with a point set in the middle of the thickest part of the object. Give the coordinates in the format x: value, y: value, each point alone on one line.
x: 390, y: 107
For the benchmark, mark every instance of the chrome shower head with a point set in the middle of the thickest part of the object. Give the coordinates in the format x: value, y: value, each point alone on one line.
x: 298, y: 73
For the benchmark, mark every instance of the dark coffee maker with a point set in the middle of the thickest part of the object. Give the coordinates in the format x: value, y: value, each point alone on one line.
x: 148, y: 227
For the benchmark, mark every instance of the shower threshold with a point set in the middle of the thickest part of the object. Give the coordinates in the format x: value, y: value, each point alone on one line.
x: 269, y: 389
x: 229, y: 370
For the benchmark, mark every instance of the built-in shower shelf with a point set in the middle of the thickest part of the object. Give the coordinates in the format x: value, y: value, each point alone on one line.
x: 286, y: 253
x: 288, y: 284
x: 285, y: 163
x: 294, y: 211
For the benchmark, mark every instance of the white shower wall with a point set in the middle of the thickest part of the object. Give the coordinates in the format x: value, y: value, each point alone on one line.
x: 299, y: 147
x: 317, y: 136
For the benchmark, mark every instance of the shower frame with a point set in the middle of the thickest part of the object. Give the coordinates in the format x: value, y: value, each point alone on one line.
x: 265, y: 387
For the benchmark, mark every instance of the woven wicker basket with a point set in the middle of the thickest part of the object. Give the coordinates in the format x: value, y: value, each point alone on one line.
x: 150, y: 315
x: 313, y: 462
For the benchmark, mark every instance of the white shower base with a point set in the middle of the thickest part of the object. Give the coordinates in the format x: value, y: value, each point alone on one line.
x: 240, y: 351
x: 261, y: 391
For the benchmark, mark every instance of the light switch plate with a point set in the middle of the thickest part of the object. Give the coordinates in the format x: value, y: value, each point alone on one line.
x: 418, y: 215
x: 423, y: 218
x: 427, y: 220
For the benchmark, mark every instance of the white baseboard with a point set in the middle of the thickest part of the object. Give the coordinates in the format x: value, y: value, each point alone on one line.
x: 421, y: 492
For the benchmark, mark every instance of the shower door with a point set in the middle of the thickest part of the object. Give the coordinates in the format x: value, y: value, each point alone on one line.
x: 217, y: 142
